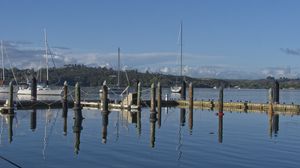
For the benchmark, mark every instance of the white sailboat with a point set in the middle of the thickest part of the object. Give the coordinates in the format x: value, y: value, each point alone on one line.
x: 42, y: 89
x: 177, y: 88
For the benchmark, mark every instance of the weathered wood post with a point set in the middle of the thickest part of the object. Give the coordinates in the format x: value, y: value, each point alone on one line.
x: 77, y: 103
x: 158, y: 104
x: 65, y: 106
x: 183, y: 90
x: 139, y: 95
x: 11, y: 97
x: 152, y: 98
x: 276, y: 92
x: 104, y: 99
x: 33, y: 90
x: 191, y: 95
x: 221, y: 99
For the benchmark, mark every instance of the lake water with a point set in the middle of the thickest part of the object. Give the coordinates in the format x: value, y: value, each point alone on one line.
x: 44, y: 138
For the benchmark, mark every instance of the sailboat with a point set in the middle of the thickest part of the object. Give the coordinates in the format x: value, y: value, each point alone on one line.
x: 115, y: 89
x: 42, y: 89
x: 4, y: 88
x: 176, y: 88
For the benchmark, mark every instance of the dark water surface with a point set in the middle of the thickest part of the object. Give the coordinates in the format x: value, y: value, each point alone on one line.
x: 46, y: 139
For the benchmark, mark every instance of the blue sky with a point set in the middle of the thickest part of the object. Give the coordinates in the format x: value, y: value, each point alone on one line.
x: 223, y: 39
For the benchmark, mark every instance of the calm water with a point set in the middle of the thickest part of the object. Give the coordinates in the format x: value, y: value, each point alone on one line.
x: 46, y: 139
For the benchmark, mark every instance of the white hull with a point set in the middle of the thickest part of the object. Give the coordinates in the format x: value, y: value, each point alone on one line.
x: 5, y: 89
x: 176, y: 89
x: 46, y: 91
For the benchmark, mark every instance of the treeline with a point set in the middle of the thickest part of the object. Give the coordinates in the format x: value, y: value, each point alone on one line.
x: 95, y: 76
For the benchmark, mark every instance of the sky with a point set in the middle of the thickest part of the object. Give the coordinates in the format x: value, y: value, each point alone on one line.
x: 246, y: 39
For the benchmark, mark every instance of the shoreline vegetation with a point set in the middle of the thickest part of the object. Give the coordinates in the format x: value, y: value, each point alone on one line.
x: 94, y: 76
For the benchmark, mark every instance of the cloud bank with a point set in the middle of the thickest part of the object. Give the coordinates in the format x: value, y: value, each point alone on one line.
x: 24, y: 55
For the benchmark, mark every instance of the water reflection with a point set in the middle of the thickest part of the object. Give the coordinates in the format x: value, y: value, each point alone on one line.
x: 10, y: 118
x: 153, y: 120
x: 273, y: 122
x: 182, y: 116
x: 77, y: 127
x: 104, y: 125
x: 220, y: 128
x: 191, y: 120
x: 65, y: 117
x: 33, y: 119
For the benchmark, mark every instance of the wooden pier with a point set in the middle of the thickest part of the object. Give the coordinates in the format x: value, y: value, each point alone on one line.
x: 133, y: 102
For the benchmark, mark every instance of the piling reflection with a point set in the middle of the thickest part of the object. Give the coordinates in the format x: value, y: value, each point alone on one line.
x: 104, y: 125
x: 139, y: 123
x: 153, y: 120
x: 220, y: 128
x: 10, y: 118
x: 65, y: 118
x: 77, y: 127
x: 182, y: 116
x: 191, y: 119
x: 33, y: 119
x: 273, y: 123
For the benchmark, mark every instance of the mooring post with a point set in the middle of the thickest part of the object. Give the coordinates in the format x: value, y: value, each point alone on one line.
x: 191, y: 95
x: 139, y: 95
x: 65, y: 100
x: 152, y: 98
x: 65, y: 97
x: 221, y: 97
x: 159, y: 104
x: 77, y: 103
x: 11, y: 97
x: 276, y: 92
x: 33, y: 90
x: 183, y: 90
x: 104, y: 99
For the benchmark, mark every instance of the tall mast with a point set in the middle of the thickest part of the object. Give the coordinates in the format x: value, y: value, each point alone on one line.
x: 118, y: 84
x: 46, y: 48
x: 181, y: 49
x: 3, y: 69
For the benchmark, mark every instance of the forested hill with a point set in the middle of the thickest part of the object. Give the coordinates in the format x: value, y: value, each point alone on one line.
x: 94, y: 76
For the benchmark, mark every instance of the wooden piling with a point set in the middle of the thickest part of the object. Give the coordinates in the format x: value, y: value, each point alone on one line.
x: 77, y: 103
x: 65, y: 96
x: 158, y: 104
x: 139, y: 95
x: 191, y: 95
x: 183, y: 90
x: 221, y: 99
x: 11, y: 97
x: 152, y: 99
x: 104, y: 99
x: 276, y: 92
x: 33, y: 90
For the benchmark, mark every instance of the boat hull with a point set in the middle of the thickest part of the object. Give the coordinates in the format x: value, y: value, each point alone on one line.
x: 40, y: 92
x: 176, y: 89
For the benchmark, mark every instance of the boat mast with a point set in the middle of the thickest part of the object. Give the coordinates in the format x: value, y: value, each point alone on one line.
x: 118, y: 84
x: 181, y: 49
x: 46, y: 48
x: 3, y: 69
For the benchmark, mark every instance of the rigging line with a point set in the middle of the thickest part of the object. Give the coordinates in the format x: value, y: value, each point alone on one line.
x: 12, y: 70
x: 12, y: 163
